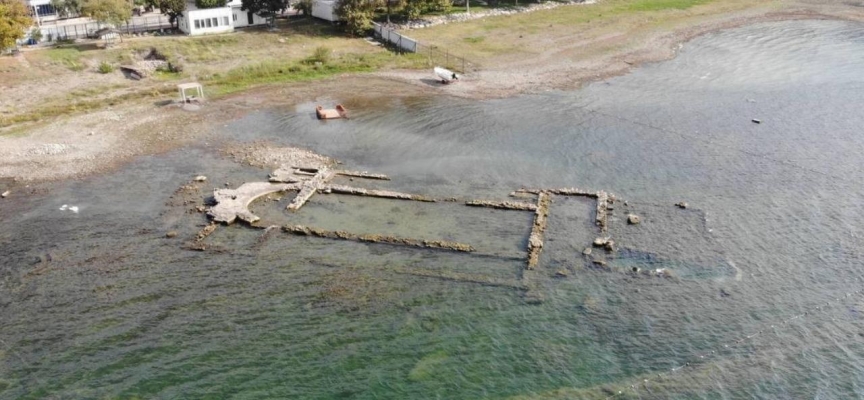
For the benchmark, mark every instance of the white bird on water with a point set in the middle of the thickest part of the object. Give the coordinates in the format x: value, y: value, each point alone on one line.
x: 65, y: 207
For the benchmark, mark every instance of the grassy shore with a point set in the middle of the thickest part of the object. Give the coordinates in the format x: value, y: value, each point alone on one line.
x: 224, y: 64
x: 497, y: 40
x: 558, y: 46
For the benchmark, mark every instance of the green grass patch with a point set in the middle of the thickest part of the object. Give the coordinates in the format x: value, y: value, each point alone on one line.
x: 474, y: 39
x: 297, y: 71
x: 193, y: 49
x: 69, y: 57
x: 275, y: 72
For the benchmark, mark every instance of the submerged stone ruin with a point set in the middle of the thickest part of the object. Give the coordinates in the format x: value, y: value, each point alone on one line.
x: 233, y: 204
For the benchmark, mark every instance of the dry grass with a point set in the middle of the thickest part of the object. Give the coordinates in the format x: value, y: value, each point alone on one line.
x: 502, y: 39
x: 224, y: 63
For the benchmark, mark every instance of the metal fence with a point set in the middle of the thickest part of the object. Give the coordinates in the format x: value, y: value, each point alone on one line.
x: 401, y: 42
x: 79, y: 31
x: 435, y: 55
x: 442, y: 57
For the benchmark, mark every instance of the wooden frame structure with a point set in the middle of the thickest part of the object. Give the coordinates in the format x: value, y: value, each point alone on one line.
x: 183, y: 87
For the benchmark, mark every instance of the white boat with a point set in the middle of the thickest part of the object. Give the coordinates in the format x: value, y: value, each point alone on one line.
x: 446, y: 75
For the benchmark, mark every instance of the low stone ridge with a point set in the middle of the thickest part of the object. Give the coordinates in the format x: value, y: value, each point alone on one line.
x: 369, y: 238
x: 310, y: 187
x: 363, y: 174
x: 462, y: 277
x: 602, y: 209
x: 535, y: 241
x: 341, y: 189
x: 502, y: 205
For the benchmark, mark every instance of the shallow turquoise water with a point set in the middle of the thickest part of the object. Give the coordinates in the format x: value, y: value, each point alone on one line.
x: 99, y: 304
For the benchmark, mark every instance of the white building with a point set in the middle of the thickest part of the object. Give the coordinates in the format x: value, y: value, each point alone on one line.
x: 325, y: 9
x: 42, y: 9
x: 203, y: 21
x: 244, y: 18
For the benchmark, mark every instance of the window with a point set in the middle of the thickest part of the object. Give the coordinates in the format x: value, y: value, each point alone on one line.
x: 197, y: 24
x: 225, y: 19
x: 215, y: 21
x: 209, y: 24
x: 45, y: 9
x: 235, y: 17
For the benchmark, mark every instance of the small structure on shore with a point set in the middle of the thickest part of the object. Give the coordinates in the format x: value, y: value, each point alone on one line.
x: 445, y: 75
x: 183, y: 87
x: 331, y: 113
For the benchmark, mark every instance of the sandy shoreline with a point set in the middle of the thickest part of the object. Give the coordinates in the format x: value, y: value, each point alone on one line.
x: 80, y: 145
x: 568, y: 73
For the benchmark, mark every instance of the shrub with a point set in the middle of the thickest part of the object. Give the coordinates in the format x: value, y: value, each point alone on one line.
x: 36, y: 34
x: 321, y: 54
x: 105, y: 68
x: 304, y: 7
x: 210, y: 3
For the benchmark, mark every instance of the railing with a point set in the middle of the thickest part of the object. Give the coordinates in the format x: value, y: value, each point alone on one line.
x: 442, y: 57
x: 435, y: 55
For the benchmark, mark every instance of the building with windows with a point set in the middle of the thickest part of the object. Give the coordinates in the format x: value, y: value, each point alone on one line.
x: 244, y: 18
x: 203, y: 21
x: 42, y: 10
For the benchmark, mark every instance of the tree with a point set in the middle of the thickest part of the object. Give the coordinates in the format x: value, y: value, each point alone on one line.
x: 74, y: 6
x: 113, y: 12
x: 265, y: 8
x: 394, y: 6
x: 60, y: 7
x: 69, y: 7
x: 357, y: 14
x: 304, y: 7
x: 172, y: 8
x: 205, y: 3
x: 414, y: 8
x: 14, y: 21
x: 36, y: 34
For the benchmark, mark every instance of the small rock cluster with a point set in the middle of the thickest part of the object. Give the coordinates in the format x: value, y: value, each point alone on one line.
x: 49, y: 149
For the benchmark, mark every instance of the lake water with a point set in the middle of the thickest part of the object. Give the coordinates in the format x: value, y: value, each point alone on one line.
x: 99, y: 304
